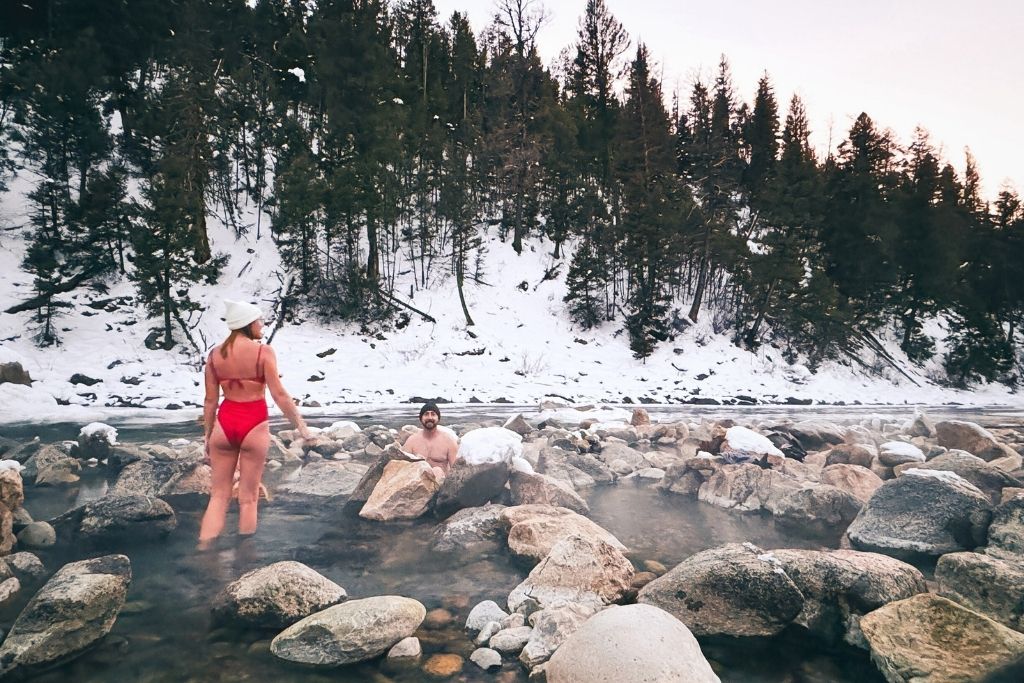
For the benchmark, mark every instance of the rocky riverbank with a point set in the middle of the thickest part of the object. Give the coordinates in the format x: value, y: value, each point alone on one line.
x: 898, y: 496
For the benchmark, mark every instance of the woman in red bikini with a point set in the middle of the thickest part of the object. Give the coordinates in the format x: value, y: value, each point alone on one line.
x: 237, y: 432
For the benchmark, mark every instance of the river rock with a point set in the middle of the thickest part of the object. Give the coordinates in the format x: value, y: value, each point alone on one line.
x: 893, y: 453
x: 484, y: 613
x: 472, y: 484
x: 592, y: 467
x: 551, y: 626
x: 404, y: 491
x: 322, y: 480
x: 818, y: 508
x: 533, y: 530
x: 12, y: 491
x: 854, y: 479
x: 970, y: 437
x: 850, y: 454
x: 989, y: 479
x: 9, y: 589
x: 734, y: 590
x: 486, y: 658
x: 277, y: 596
x: 579, y: 569
x: 95, y: 440
x: 443, y: 665
x: 470, y: 530
x: 51, y: 466
x: 519, y: 425
x: 75, y: 609
x: 930, y: 639
x: 350, y: 632
x: 25, y: 566
x: 371, y: 475
x: 37, y: 535
x: 164, y: 477
x: 510, y: 641
x: 118, y: 518
x: 631, y: 644
x: 1006, y: 533
x: 7, y: 537
x: 615, y: 451
x: 922, y: 425
x: 985, y: 584
x: 923, y: 512
x: 815, y: 435
x: 406, y: 649
x: 746, y: 488
x: 490, y: 445
x: 527, y: 489
x: 840, y: 586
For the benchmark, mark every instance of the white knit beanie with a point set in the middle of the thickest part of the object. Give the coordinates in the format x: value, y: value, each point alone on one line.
x: 238, y: 314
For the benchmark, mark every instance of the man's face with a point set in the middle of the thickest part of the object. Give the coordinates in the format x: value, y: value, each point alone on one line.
x: 429, y: 420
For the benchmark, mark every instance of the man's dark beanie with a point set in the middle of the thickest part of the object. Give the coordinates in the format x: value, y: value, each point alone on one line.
x: 428, y: 407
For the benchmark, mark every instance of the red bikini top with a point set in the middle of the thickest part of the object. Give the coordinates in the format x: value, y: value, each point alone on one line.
x: 237, y: 381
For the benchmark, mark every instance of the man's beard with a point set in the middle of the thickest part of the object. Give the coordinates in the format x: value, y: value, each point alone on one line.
x: 429, y: 425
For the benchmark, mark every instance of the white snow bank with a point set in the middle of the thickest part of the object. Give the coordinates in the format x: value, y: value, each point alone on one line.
x: 605, y: 416
x: 490, y: 444
x: 98, y: 429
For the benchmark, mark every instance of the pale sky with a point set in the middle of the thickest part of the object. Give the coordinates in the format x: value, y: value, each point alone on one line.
x: 954, y: 67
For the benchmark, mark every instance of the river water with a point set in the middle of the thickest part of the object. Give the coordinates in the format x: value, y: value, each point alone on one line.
x: 165, y: 632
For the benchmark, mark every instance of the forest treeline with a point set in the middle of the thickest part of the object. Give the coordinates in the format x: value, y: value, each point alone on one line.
x: 379, y: 136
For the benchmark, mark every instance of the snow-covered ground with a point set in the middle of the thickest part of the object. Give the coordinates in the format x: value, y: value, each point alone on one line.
x: 522, y: 349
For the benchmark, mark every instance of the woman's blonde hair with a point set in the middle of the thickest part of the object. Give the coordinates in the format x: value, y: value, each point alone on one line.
x: 241, y: 331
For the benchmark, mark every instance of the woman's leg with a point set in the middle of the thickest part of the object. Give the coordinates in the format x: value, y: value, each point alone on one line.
x: 251, y: 458
x: 223, y: 460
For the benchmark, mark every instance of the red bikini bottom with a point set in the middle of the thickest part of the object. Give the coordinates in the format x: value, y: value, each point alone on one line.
x: 237, y: 418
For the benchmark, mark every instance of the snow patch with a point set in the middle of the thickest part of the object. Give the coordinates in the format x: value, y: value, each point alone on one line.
x: 746, y: 440
x: 903, y: 448
x: 489, y: 445
x: 11, y: 465
x: 104, y: 431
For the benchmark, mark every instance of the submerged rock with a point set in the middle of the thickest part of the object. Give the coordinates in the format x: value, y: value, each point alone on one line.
x: 533, y: 530
x: 277, y: 596
x: 930, y: 639
x: 631, y: 644
x: 470, y: 530
x: 118, y: 518
x: 75, y: 609
x: 323, y: 480
x: 734, y: 590
x: 551, y: 626
x: 350, y: 632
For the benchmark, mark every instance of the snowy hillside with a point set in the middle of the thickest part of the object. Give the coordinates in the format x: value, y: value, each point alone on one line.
x: 521, y: 350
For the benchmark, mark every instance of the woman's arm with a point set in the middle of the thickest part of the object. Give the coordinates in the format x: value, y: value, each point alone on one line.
x: 280, y: 394
x: 210, y: 402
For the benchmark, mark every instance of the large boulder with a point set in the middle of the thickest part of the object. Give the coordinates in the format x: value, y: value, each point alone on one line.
x: 818, y: 509
x: 733, y: 590
x: 815, y: 435
x: 360, y: 493
x: 923, y: 512
x: 528, y: 488
x: 747, y: 488
x: 840, y: 586
x: 930, y: 639
x: 51, y: 466
x: 7, y: 537
x: 850, y: 454
x: 533, y: 530
x: 989, y: 479
x: 860, y: 481
x: 164, y: 478
x: 631, y: 644
x: 276, y: 596
x: 117, y: 519
x: 579, y: 569
x: 471, y: 484
x: 985, y: 584
x: 404, y: 491
x: 350, y: 632
x: 893, y: 453
x: 1006, y: 533
x: 470, y: 530
x: 970, y: 437
x: 322, y: 480
x: 74, y: 610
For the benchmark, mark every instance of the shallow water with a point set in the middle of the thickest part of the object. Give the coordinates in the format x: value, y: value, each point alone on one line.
x: 165, y: 632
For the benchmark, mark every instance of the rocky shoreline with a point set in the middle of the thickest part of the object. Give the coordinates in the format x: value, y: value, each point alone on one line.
x: 898, y: 495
